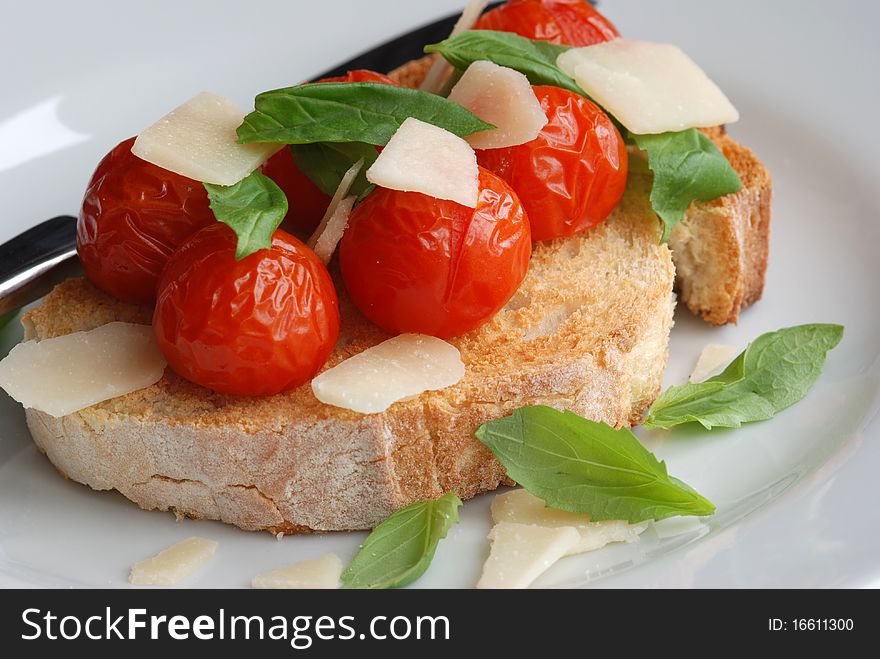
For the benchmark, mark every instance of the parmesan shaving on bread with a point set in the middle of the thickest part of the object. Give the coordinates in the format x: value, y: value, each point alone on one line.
x: 649, y: 87
x: 399, y: 368
x: 63, y: 375
x: 199, y: 140
x: 504, y: 98
x: 421, y: 157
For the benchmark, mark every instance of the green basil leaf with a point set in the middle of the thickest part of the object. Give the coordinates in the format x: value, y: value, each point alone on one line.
x: 6, y: 318
x: 587, y: 467
x: 325, y: 163
x: 534, y: 59
x: 401, y: 548
x: 687, y: 167
x: 253, y: 208
x: 350, y: 112
x: 773, y: 373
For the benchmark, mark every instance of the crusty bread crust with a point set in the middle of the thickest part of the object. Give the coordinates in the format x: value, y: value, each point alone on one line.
x: 587, y: 331
x: 722, y: 246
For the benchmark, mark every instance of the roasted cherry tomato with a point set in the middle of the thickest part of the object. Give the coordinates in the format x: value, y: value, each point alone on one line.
x: 413, y: 263
x: 573, y: 174
x: 567, y: 22
x: 133, y: 216
x: 254, y: 327
x: 307, y: 203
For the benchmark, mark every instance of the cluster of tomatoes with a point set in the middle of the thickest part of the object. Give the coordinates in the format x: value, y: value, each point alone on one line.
x: 409, y: 262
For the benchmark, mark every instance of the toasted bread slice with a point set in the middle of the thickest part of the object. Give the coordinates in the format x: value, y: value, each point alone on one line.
x: 720, y: 249
x: 587, y: 331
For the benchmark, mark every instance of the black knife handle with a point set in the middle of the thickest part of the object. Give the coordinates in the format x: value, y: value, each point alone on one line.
x: 32, y: 263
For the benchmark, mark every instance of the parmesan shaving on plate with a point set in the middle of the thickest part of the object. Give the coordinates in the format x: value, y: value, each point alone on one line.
x: 523, y: 507
x: 504, y: 98
x: 399, y: 368
x: 712, y: 361
x: 650, y: 88
x: 521, y: 553
x: 172, y: 565
x: 66, y: 374
x: 441, y: 69
x: 421, y: 157
x: 319, y: 573
x: 329, y: 232
x: 199, y: 140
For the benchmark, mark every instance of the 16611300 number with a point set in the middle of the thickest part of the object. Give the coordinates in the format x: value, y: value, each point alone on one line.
x: 810, y: 624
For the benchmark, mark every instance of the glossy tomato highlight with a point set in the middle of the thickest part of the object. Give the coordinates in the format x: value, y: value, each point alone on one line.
x: 133, y: 216
x: 307, y: 203
x: 566, y: 22
x: 254, y: 327
x: 573, y: 174
x: 413, y: 263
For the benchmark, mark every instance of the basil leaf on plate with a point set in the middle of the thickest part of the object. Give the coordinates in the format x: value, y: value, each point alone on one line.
x: 401, y: 548
x: 773, y: 373
x: 687, y: 167
x: 253, y: 208
x: 325, y: 163
x: 349, y: 112
x: 587, y: 467
x: 534, y: 59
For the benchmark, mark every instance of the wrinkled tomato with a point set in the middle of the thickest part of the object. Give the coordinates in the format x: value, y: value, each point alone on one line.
x: 254, y: 327
x: 413, y: 263
x: 573, y: 174
x: 133, y: 216
x: 307, y: 203
x: 567, y: 22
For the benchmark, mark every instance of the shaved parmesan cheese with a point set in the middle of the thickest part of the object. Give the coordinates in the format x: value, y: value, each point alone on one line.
x: 326, y: 243
x: 320, y: 573
x: 504, y: 98
x: 441, y: 69
x: 69, y: 373
x: 521, y: 553
x: 402, y: 367
x: 174, y: 564
x: 522, y: 507
x: 427, y: 159
x: 712, y: 361
x: 198, y: 140
x: 329, y: 232
x: 650, y: 87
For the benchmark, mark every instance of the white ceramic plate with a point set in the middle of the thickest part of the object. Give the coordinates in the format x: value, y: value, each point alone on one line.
x: 796, y: 495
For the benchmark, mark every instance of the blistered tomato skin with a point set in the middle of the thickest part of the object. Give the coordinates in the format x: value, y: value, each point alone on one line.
x: 255, y: 327
x: 573, y: 174
x: 565, y: 22
x: 133, y: 216
x: 307, y: 203
x: 412, y: 263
